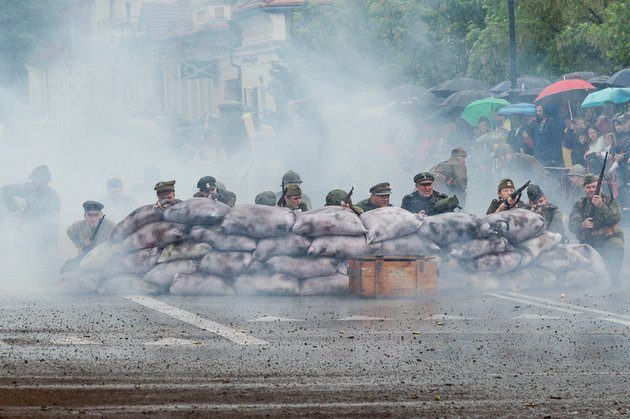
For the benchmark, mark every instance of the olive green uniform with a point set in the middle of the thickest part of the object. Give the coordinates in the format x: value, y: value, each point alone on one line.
x: 80, y: 232
x: 226, y: 197
x: 305, y: 200
x: 606, y: 236
x: 367, y: 205
x: 451, y: 176
x: 494, y: 205
x: 553, y: 218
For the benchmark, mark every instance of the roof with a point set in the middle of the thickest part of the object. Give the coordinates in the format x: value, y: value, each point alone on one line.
x: 242, y: 6
x: 160, y: 19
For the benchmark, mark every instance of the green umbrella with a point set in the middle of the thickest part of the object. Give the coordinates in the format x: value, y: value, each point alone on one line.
x: 612, y: 94
x: 482, y: 107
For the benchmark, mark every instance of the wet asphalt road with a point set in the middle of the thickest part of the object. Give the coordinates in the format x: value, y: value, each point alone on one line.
x: 508, y: 354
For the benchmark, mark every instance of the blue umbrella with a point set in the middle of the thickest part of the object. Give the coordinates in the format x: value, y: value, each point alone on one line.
x: 611, y: 94
x: 526, y: 109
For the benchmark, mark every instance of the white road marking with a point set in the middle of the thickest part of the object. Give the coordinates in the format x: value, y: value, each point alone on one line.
x: 532, y: 303
x: 275, y: 319
x: 567, y: 305
x: 173, y: 342
x: 535, y: 317
x: 450, y: 317
x: 361, y: 318
x: 235, y: 336
x: 609, y: 319
x: 73, y: 340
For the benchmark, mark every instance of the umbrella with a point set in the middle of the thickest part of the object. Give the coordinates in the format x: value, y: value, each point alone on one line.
x: 463, y: 98
x: 600, y: 81
x: 611, y: 94
x: 526, y: 109
x: 482, y: 107
x: 564, y: 86
x: 524, y: 84
x: 458, y: 84
x: 584, y: 75
x: 620, y: 79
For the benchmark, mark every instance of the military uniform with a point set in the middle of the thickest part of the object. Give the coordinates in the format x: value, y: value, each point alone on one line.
x: 336, y: 197
x: 606, y: 236
x: 292, y: 178
x: 496, y: 203
x: 382, y: 189
x: 80, y: 232
x: 292, y: 190
x: 452, y: 175
x: 414, y: 202
x: 165, y: 187
x: 550, y: 212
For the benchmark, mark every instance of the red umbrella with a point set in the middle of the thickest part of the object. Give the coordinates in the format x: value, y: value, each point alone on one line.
x: 564, y: 86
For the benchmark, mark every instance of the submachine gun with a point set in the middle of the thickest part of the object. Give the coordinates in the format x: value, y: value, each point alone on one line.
x: 598, y: 188
x: 282, y: 201
x: 515, y: 196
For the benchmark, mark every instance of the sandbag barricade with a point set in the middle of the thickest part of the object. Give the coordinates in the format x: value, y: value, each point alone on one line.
x: 202, y: 247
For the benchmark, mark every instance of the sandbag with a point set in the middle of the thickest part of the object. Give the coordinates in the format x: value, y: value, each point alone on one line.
x: 540, y: 244
x: 290, y: 245
x: 277, y: 284
x: 517, y: 224
x: 200, y: 284
x: 342, y: 247
x: 411, y: 244
x: 225, y: 264
x: 388, y: 223
x: 127, y: 285
x: 499, y: 263
x: 139, y: 217
x: 99, y: 257
x: 471, y: 249
x: 139, y: 262
x: 184, y: 250
x: 163, y: 274
x: 596, y: 263
x: 336, y: 284
x: 159, y: 235
x: 443, y: 229
x: 203, y: 211
x: 327, y: 221
x: 560, y: 259
x: 303, y: 267
x: 258, y: 221
x: 221, y: 241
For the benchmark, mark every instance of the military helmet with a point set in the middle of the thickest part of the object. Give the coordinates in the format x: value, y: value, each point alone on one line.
x: 335, y: 197
x: 266, y: 198
x: 291, y: 177
x: 40, y: 174
x: 577, y: 170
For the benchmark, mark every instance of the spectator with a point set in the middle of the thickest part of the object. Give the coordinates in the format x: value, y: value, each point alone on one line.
x: 549, y: 135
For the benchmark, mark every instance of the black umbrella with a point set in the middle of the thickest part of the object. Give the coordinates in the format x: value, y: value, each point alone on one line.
x: 465, y: 97
x: 620, y: 79
x: 600, y: 82
x: 449, y: 87
x: 407, y: 91
x: 584, y: 75
x: 526, y: 85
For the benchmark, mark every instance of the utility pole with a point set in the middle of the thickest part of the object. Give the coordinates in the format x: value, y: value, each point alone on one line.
x: 513, y: 74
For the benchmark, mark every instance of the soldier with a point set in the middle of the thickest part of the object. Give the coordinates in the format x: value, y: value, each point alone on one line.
x: 266, y: 198
x: 575, y: 177
x: 117, y: 202
x: 227, y: 197
x: 165, y: 191
x: 539, y: 203
x: 379, y: 197
x: 41, y: 202
x: 425, y: 200
x: 208, y: 188
x: 337, y: 198
x: 504, y: 202
x: 88, y: 233
x: 293, y: 198
x: 595, y: 221
x: 451, y: 176
x: 292, y: 178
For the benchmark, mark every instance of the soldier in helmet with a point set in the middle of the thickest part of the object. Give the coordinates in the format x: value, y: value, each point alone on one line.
x: 504, y: 202
x: 575, y: 177
x: 451, y: 176
x: 292, y: 178
x: 426, y: 201
x: 293, y: 198
x: 209, y: 188
x: 165, y: 191
x: 41, y: 202
x: 337, y: 198
x: 266, y: 198
x: 595, y: 221
x: 539, y: 203
x: 379, y: 197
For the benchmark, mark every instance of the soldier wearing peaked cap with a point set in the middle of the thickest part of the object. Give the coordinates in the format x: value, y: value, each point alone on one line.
x: 336, y: 198
x: 451, y: 176
x: 426, y: 201
x: 379, y: 197
x: 165, y: 191
x: 88, y: 233
x: 595, y: 221
x: 209, y: 188
x: 293, y: 198
x: 292, y: 178
x: 504, y: 202
x: 539, y: 203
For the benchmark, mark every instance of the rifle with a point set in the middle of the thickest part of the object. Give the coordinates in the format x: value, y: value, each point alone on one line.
x: 515, y: 196
x: 348, y: 200
x: 93, y: 236
x: 598, y: 188
x: 282, y: 201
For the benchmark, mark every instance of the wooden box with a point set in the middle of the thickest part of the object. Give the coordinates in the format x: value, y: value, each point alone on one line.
x: 393, y: 276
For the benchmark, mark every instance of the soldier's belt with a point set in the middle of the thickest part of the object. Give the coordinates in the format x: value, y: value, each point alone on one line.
x: 607, y: 231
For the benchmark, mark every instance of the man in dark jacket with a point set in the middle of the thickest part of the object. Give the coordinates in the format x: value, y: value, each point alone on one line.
x: 426, y: 201
x: 549, y: 135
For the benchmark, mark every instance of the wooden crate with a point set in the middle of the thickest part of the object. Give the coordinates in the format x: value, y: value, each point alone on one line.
x: 393, y: 276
